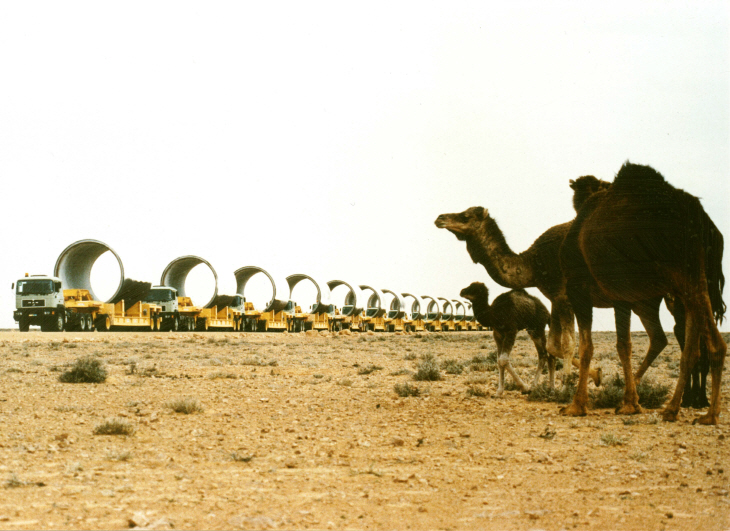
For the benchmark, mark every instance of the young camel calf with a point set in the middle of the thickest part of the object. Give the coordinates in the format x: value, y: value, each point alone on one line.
x: 509, y: 313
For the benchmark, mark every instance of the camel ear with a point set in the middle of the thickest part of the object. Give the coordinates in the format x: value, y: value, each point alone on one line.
x: 481, y: 212
x: 572, y: 184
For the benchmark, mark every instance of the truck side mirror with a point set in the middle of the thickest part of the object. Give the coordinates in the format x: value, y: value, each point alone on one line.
x: 12, y: 286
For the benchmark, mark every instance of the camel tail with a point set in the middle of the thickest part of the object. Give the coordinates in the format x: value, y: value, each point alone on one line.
x: 714, y: 244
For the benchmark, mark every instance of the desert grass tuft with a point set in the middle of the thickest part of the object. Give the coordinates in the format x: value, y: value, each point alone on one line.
x: 428, y: 370
x: 114, y: 427
x: 611, y: 439
x: 85, y: 370
x: 369, y: 369
x: 406, y: 390
x: 186, y: 405
x: 651, y: 394
x: 478, y: 391
x: 561, y: 394
x: 452, y: 366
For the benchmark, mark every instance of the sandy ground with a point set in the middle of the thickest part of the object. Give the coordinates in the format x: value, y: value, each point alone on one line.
x: 306, y: 431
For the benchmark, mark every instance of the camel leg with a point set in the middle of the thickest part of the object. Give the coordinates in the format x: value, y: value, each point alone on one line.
x: 538, y: 338
x: 648, y: 312
x: 583, y: 307
x: 551, y: 371
x: 690, y: 353
x: 699, y: 376
x: 695, y: 388
x: 622, y: 314
x: 717, y: 349
x: 499, y: 339
x: 504, y: 362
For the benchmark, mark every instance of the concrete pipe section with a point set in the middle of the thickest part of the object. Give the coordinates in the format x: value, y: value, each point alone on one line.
x: 432, y: 307
x: 468, y: 311
x: 322, y: 304
x: 459, y: 311
x: 375, y: 301
x: 74, y: 265
x: 447, y: 309
x: 397, y: 309
x: 280, y: 291
x: 177, y: 271
x: 417, y: 309
x: 354, y: 300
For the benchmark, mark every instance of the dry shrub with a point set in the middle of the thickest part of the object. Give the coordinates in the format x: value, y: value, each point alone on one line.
x: 85, y: 370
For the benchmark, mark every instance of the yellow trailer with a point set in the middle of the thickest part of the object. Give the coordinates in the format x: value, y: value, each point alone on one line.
x: 105, y: 316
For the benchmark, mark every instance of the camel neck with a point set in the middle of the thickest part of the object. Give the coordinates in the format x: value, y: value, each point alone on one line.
x: 489, y: 248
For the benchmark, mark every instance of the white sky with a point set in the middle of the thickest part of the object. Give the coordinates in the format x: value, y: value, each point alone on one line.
x: 325, y: 138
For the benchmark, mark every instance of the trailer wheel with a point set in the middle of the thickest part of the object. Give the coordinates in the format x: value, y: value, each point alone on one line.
x: 90, y: 323
x: 175, y: 324
x: 24, y: 324
x: 82, y: 323
x: 103, y: 323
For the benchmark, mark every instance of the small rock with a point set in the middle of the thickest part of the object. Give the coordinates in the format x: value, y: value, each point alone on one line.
x: 139, y: 519
x: 397, y: 441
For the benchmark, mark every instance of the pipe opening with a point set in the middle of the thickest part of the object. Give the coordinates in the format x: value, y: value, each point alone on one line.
x: 414, y: 306
x: 375, y: 306
x: 311, y: 296
x: 353, y: 300
x: 395, y: 304
x: 447, y: 309
x: 259, y: 287
x: 192, y: 281
x: 76, y: 262
x: 433, y: 308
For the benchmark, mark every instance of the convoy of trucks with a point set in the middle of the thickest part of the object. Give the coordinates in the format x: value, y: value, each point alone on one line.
x: 65, y: 301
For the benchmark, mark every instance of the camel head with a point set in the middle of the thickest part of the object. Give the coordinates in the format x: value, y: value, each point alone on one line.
x: 584, y: 187
x: 476, y: 292
x: 465, y: 224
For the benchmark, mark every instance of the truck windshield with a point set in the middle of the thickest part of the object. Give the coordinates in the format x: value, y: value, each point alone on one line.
x: 34, y: 287
x: 159, y: 295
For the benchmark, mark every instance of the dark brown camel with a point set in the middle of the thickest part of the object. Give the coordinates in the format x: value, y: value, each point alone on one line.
x: 636, y: 241
x: 695, y: 391
x: 509, y: 313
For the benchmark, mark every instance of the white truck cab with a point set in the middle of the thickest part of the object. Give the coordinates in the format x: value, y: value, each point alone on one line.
x: 163, y: 296
x: 39, y: 301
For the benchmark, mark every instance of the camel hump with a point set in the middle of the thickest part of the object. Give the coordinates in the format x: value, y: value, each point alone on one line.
x: 636, y: 175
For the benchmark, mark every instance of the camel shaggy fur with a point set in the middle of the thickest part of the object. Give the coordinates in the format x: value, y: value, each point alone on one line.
x: 509, y: 313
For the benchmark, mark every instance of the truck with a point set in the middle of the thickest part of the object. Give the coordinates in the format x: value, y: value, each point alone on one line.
x: 179, y: 313
x: 40, y: 300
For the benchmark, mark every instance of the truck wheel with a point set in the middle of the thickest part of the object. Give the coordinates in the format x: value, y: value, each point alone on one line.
x: 89, y: 323
x: 175, y: 324
x: 82, y: 323
x: 24, y: 324
x: 103, y: 323
x: 57, y: 323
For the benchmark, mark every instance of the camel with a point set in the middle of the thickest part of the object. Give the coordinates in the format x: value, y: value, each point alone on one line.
x: 538, y: 266
x: 509, y: 313
x: 695, y: 391
x: 634, y: 242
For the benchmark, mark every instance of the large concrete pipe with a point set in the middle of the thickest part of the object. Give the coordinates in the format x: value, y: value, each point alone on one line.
x: 74, y: 265
x: 397, y: 309
x: 354, y: 300
x: 447, y: 309
x: 280, y: 291
x: 417, y: 309
x: 177, y: 271
x: 375, y: 301
x: 468, y: 310
x: 459, y: 311
x: 432, y: 309
x: 322, y: 304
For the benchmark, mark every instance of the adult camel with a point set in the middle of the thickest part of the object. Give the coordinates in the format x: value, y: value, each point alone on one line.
x: 632, y: 243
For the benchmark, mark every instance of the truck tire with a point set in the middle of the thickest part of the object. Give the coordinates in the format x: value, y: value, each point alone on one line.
x: 175, y: 324
x: 57, y: 322
x: 89, y: 323
x: 82, y: 323
x: 24, y: 324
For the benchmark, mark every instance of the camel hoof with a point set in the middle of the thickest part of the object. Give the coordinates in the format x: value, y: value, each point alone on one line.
x: 498, y: 394
x: 701, y: 403
x: 706, y: 420
x: 669, y: 416
x: 629, y: 409
x: 573, y: 411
